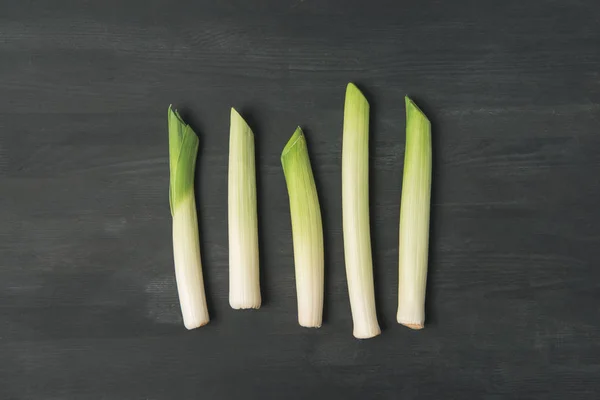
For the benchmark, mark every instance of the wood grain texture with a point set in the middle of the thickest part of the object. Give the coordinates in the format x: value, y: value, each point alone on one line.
x: 88, y: 304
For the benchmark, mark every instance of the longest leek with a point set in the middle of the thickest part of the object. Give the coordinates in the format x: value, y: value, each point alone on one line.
x: 244, y: 280
x: 307, y: 230
x: 183, y: 149
x: 355, y: 209
x: 414, y: 219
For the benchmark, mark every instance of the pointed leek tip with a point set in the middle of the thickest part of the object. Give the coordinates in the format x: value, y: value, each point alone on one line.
x: 353, y: 92
x: 296, y: 138
x: 297, y: 134
x: 352, y: 89
x: 411, y: 107
x: 173, y: 113
x: 355, y: 99
x: 237, y: 119
x: 236, y: 116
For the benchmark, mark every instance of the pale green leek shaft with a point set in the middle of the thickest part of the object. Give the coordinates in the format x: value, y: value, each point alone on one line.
x: 183, y: 149
x: 414, y: 219
x: 355, y: 208
x: 307, y: 230
x: 244, y: 280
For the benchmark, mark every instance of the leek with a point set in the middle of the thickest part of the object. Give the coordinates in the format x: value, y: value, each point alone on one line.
x: 307, y: 230
x: 355, y: 208
x: 183, y: 149
x: 414, y: 219
x: 244, y: 280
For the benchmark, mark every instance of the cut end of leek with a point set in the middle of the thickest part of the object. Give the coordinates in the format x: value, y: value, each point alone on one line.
x: 355, y: 207
x: 307, y: 230
x: 183, y: 149
x: 244, y: 280
x: 414, y: 219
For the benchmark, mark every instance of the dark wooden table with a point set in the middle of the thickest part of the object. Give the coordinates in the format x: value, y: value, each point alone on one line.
x: 88, y: 303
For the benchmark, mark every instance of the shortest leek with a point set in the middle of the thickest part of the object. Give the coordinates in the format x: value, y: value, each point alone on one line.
x: 183, y: 149
x: 414, y: 219
x: 307, y: 230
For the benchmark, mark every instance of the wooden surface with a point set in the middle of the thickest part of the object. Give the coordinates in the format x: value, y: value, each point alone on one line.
x: 88, y: 304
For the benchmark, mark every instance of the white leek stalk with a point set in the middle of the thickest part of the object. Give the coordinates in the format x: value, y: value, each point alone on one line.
x: 307, y: 230
x: 244, y: 280
x: 183, y: 149
x: 414, y: 219
x: 355, y: 208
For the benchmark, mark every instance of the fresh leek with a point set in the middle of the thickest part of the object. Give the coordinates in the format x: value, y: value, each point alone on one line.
x: 307, y: 230
x: 183, y: 149
x: 244, y: 280
x: 355, y: 209
x: 414, y: 219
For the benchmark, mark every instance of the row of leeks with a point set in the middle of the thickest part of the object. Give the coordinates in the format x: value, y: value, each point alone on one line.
x: 307, y: 228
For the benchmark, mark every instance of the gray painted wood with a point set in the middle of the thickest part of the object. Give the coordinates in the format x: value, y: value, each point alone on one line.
x: 88, y: 304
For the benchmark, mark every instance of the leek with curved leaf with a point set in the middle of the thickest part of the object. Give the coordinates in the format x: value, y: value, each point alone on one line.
x: 307, y: 230
x: 414, y: 219
x: 183, y: 149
